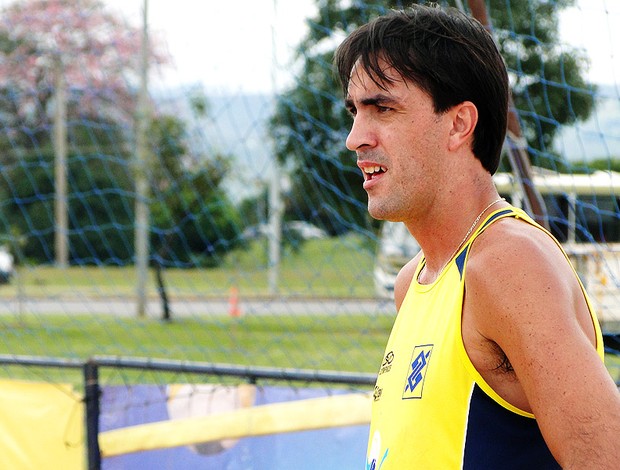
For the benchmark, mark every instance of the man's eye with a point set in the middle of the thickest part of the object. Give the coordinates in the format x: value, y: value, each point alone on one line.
x: 383, y: 109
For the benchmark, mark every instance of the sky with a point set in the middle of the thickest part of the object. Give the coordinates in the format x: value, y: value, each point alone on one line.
x: 594, y: 25
x: 237, y: 49
x: 225, y: 45
x: 236, y: 46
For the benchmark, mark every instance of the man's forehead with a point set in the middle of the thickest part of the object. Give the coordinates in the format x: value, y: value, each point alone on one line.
x: 364, y: 81
x: 363, y: 72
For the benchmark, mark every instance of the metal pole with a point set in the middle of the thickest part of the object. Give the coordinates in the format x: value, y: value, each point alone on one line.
x: 275, y: 202
x: 141, y: 175
x: 91, y: 399
x: 572, y: 218
x: 61, y: 243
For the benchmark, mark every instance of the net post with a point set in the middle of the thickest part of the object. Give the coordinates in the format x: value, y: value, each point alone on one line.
x: 91, y: 399
x: 517, y: 145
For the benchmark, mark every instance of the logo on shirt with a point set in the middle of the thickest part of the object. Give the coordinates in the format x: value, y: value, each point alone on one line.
x: 414, y: 383
x: 386, y: 366
x: 377, y: 393
x: 376, y: 455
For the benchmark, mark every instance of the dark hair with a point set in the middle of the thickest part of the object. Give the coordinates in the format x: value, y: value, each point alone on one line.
x: 447, y: 54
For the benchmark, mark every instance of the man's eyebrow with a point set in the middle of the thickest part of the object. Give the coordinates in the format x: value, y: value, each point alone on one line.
x: 376, y: 100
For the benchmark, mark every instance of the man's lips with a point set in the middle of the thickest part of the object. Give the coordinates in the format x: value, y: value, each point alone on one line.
x: 371, y: 172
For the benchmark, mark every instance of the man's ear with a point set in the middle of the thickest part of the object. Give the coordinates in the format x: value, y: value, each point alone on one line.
x: 464, y: 119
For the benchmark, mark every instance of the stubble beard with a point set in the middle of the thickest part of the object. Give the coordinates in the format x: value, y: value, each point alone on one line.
x: 384, y: 209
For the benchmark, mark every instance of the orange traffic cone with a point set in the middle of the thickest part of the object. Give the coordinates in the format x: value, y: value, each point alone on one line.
x: 233, y: 303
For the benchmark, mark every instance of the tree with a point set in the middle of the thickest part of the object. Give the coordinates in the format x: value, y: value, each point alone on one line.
x: 193, y: 219
x: 310, y: 124
x: 548, y: 84
x: 97, y: 52
x: 100, y: 208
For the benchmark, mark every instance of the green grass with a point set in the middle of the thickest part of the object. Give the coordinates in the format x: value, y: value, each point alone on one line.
x: 350, y: 343
x: 245, y: 340
x: 339, y: 267
x: 332, y: 267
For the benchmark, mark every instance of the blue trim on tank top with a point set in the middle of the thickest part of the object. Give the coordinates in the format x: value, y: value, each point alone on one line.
x: 495, y: 216
x: 460, y: 259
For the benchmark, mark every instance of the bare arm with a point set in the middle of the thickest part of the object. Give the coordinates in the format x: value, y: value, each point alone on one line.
x: 522, y: 295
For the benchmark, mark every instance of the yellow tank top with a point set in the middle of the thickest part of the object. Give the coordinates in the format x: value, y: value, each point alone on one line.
x: 431, y: 408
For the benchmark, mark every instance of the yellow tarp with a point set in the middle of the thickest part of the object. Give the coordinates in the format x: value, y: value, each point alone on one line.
x: 41, y: 426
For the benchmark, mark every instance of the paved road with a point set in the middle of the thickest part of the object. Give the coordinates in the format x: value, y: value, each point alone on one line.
x: 197, y: 307
x: 206, y: 307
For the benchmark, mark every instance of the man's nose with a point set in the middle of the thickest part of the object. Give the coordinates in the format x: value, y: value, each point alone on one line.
x: 360, y: 135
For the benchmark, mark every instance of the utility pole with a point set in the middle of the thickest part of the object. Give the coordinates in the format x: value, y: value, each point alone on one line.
x: 61, y: 234
x: 141, y: 175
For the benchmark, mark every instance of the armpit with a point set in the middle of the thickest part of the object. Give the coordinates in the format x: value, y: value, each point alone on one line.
x: 502, y: 362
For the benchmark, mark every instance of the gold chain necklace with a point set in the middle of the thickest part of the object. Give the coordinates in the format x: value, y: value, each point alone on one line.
x: 471, y: 229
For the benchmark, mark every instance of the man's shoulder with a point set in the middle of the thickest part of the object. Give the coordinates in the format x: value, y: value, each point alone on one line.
x: 517, y: 270
x: 512, y: 241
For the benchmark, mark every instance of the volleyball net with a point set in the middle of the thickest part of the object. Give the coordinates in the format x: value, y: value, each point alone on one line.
x: 211, y: 220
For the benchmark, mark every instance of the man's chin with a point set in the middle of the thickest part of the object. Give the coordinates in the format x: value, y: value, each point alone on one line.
x: 378, y: 213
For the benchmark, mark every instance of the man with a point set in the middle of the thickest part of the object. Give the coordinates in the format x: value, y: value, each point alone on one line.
x: 495, y: 357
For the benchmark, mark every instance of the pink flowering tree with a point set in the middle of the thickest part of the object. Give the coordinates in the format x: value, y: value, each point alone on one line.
x: 69, y: 80
x: 96, y: 51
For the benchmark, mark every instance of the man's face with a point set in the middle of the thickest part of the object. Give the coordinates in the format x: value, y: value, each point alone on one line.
x: 400, y: 144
